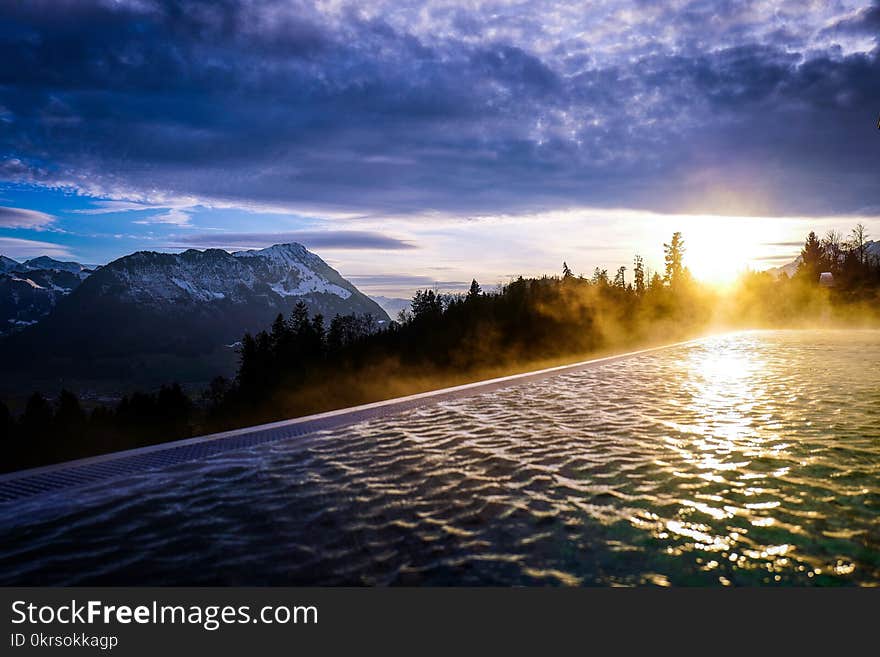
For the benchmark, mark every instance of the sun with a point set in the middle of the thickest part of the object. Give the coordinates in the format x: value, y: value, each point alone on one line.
x: 714, y: 265
x: 718, y: 250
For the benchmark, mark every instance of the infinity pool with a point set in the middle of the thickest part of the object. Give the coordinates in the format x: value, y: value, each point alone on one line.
x: 750, y: 458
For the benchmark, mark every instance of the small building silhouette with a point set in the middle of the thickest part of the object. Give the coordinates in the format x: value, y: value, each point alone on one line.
x: 826, y: 279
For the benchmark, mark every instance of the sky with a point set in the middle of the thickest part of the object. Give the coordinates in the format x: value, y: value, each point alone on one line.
x: 415, y: 144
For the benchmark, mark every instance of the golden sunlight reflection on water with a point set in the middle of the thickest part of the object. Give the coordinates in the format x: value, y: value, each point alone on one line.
x: 733, y: 439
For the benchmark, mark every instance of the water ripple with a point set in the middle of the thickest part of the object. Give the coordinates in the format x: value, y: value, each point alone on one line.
x: 743, y: 459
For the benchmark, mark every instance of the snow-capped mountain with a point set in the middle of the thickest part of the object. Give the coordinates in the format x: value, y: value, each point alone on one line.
x: 276, y: 277
x: 8, y: 264
x: 51, y: 264
x: 28, y: 292
x: 185, y: 306
x: 789, y: 269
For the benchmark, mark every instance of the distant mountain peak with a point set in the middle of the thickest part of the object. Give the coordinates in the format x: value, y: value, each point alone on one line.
x: 8, y: 264
x: 292, y: 252
x: 28, y: 295
x: 283, y: 248
x: 278, y: 272
x: 46, y: 262
x: 178, y: 308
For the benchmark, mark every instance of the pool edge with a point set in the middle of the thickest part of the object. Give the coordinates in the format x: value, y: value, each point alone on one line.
x: 300, y: 427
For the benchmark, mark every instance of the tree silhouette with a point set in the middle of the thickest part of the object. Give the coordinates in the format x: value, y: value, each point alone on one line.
x: 6, y: 423
x: 812, y: 258
x: 216, y: 392
x: 858, y: 239
x: 834, y: 251
x: 426, y: 305
x: 639, y: 275
x: 566, y: 271
x: 474, y: 291
x: 36, y: 421
x: 674, y: 259
x: 69, y: 421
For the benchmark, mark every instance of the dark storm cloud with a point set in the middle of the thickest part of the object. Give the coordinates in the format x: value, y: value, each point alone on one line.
x: 407, y: 107
x: 340, y: 239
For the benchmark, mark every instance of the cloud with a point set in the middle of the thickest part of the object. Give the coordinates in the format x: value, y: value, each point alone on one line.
x: 172, y: 217
x: 330, y: 239
x: 777, y: 258
x: 404, y: 280
x: 399, y: 107
x: 17, y: 249
x: 863, y: 21
x: 113, y: 207
x: 23, y: 218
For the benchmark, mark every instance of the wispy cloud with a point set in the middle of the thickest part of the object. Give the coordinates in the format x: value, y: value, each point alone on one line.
x: 112, y: 207
x: 18, y: 249
x: 403, y: 280
x: 328, y: 239
x: 172, y: 217
x: 23, y: 218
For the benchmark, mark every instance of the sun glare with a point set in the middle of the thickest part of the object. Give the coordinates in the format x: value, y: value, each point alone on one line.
x: 718, y: 264
x: 720, y: 249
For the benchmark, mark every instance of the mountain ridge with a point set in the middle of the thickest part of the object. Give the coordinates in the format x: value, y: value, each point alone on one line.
x: 180, y: 306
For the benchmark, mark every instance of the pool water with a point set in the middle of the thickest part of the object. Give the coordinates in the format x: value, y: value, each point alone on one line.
x: 742, y: 459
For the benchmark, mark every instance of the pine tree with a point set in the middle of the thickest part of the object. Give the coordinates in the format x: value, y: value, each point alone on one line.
x: 299, y: 318
x: 674, y: 258
x: 474, y: 291
x: 318, y: 328
x: 6, y: 423
x: 600, y: 276
x: 639, y: 275
x: 336, y: 334
x: 36, y: 421
x: 279, y: 330
x: 426, y: 304
x: 812, y: 258
x: 69, y: 421
x: 566, y: 271
x: 216, y: 393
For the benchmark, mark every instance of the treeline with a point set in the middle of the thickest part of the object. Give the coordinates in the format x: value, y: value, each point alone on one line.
x: 61, y: 429
x: 302, y: 364
x: 837, y: 281
x: 299, y: 367
x: 855, y: 272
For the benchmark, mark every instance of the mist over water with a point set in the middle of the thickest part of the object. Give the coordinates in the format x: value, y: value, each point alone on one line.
x: 748, y: 458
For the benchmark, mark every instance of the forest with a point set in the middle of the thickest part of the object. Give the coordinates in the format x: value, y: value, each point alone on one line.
x: 304, y: 364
